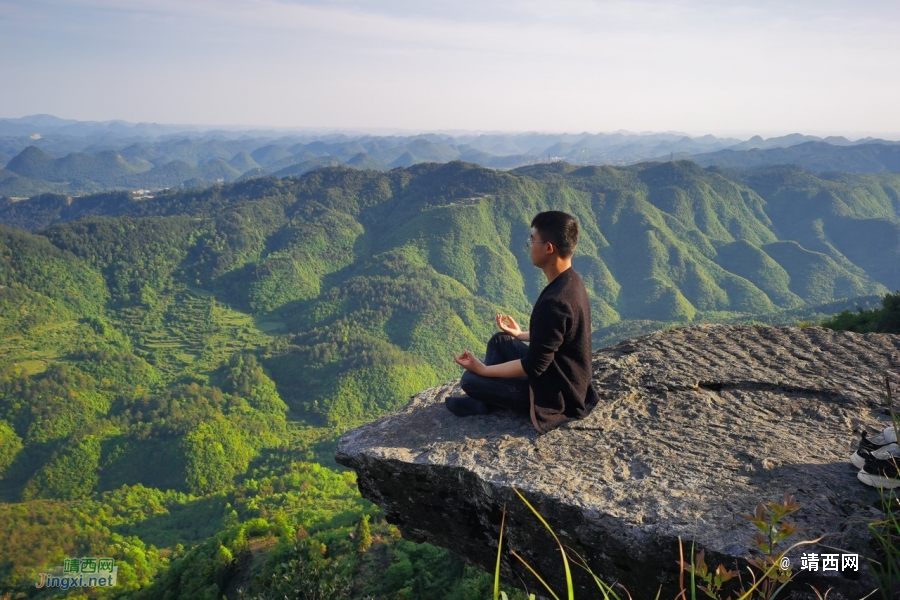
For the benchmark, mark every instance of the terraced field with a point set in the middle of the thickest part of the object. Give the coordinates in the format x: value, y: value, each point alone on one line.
x: 192, y: 331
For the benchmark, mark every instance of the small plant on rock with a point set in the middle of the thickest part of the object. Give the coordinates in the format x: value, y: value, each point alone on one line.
x: 712, y: 581
x: 768, y: 575
x: 768, y: 570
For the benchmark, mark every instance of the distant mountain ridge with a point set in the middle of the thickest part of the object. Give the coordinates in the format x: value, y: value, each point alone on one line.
x: 72, y: 157
x: 48, y: 124
x: 34, y: 169
x: 817, y: 156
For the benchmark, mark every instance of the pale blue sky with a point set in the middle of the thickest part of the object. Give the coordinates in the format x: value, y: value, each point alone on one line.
x: 721, y: 67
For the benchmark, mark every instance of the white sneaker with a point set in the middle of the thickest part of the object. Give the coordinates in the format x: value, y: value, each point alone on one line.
x: 881, y: 468
x: 870, y: 444
x: 879, y: 481
x: 888, y: 436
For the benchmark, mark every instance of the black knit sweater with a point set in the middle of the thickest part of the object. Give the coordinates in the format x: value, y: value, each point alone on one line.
x: 558, y: 363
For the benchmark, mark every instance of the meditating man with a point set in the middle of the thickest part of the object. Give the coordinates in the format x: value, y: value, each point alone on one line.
x: 550, y: 377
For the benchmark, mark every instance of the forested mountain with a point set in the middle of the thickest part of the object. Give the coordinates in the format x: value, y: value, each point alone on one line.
x: 418, y: 254
x: 42, y: 154
x: 175, y: 367
x: 34, y: 170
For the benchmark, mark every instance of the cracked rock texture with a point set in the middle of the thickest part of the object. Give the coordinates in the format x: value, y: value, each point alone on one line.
x: 694, y: 427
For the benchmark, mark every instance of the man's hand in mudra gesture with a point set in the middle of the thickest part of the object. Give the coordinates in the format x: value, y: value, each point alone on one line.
x: 508, y: 325
x: 468, y: 362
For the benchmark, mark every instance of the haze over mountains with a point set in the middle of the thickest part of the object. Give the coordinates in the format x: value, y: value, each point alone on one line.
x: 45, y: 154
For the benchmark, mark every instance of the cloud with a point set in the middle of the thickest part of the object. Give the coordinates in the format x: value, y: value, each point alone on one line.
x: 638, y: 64
x: 526, y: 28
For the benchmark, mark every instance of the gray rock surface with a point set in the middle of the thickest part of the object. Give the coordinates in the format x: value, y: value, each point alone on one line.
x: 695, y: 426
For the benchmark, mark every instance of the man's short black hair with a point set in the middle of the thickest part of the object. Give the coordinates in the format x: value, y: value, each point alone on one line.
x: 558, y: 228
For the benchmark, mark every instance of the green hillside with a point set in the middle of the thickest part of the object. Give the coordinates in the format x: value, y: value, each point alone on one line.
x: 329, y: 256
x: 174, y: 370
x: 33, y: 172
x: 243, y: 162
x: 16, y: 186
x: 81, y: 170
x: 32, y: 162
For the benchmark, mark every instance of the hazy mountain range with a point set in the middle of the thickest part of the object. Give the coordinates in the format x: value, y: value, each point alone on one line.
x: 46, y: 154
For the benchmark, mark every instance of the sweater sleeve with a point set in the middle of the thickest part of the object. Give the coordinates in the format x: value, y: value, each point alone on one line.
x: 548, y: 330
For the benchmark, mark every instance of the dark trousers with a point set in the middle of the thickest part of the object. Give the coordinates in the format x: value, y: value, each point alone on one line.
x: 505, y: 392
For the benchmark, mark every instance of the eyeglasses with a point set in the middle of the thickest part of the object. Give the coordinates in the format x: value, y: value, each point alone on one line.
x: 531, y: 242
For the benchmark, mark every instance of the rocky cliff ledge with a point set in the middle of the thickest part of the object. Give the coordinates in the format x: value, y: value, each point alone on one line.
x: 695, y: 426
